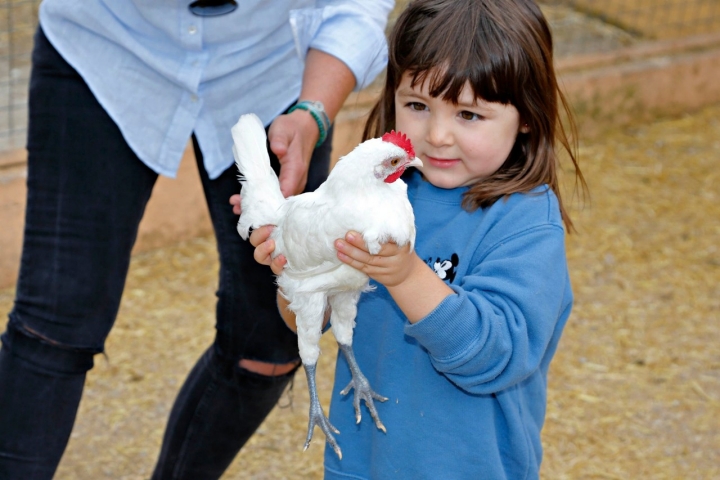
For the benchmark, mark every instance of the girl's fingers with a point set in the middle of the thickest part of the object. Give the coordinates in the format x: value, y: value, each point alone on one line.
x: 355, y: 239
x: 352, y: 262
x: 354, y: 245
x: 350, y: 251
x: 356, y: 257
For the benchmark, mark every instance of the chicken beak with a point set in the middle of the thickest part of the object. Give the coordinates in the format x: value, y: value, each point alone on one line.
x: 416, y: 162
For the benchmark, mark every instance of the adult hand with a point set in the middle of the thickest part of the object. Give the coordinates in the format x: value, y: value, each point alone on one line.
x: 235, y: 202
x: 292, y: 138
x: 264, y: 247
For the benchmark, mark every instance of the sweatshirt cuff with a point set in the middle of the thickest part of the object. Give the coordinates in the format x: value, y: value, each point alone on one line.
x: 447, y: 331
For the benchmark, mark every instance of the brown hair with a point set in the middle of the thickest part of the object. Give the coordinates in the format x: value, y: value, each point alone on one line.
x: 503, y: 49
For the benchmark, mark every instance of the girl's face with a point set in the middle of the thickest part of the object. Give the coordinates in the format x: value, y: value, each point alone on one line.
x: 461, y: 144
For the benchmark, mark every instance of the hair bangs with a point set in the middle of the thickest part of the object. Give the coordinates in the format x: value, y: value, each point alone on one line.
x: 488, y: 66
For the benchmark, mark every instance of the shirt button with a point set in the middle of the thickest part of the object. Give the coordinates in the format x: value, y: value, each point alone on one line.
x: 194, y: 98
x: 192, y: 29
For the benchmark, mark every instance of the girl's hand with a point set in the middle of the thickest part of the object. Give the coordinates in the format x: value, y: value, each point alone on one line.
x: 264, y: 247
x: 235, y: 202
x: 392, y: 266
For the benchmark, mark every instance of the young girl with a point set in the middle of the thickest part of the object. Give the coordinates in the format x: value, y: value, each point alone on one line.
x: 459, y: 333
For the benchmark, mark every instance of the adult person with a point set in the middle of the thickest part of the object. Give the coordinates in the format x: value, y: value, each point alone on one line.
x: 117, y: 89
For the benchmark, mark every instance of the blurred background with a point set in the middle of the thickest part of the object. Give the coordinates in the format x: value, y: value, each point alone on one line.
x: 634, y: 391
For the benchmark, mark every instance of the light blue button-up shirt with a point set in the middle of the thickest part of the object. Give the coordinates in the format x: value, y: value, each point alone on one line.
x: 163, y: 73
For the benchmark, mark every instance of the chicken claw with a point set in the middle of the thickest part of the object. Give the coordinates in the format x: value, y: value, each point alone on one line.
x: 317, y: 416
x: 363, y: 391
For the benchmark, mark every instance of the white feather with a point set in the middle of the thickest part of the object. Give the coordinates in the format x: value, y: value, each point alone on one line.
x: 260, y: 193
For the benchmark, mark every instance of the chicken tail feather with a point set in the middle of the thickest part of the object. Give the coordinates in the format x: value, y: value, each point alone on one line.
x: 260, y: 193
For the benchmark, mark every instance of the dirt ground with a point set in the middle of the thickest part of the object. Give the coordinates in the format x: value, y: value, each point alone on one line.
x: 634, y: 391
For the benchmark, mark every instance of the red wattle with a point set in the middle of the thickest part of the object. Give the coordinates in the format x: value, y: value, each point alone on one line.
x: 394, y: 176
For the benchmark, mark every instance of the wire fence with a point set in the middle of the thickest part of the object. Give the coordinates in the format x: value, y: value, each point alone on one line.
x: 18, y: 19
x: 579, y: 27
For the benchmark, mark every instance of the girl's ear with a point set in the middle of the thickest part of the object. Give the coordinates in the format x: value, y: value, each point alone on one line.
x: 524, y: 128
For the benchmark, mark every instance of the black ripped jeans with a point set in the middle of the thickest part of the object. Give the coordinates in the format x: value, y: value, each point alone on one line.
x: 87, y: 192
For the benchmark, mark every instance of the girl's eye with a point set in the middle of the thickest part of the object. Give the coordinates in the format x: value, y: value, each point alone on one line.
x: 417, y: 106
x: 465, y: 115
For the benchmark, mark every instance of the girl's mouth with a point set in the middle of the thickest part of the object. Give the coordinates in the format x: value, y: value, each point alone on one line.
x: 442, y: 162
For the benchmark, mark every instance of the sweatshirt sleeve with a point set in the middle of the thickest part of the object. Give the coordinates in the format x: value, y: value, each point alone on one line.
x: 494, y: 332
x: 352, y: 31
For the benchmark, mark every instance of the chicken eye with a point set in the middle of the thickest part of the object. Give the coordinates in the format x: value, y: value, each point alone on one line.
x: 394, y: 162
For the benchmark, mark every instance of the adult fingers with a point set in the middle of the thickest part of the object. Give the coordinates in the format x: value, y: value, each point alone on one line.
x: 263, y: 252
x: 235, y: 201
x: 260, y: 234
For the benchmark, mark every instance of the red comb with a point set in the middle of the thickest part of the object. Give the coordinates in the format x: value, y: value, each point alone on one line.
x: 399, y: 139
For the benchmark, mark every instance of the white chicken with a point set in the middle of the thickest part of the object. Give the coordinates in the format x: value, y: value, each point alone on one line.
x: 362, y: 193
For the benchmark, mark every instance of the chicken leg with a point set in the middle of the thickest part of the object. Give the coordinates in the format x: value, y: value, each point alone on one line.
x: 317, y: 416
x: 363, y: 391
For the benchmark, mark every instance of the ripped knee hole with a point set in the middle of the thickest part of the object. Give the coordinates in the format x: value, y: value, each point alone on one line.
x: 267, y: 368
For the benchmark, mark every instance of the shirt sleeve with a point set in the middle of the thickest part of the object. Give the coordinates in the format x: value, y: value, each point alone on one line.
x: 495, y: 331
x: 352, y: 31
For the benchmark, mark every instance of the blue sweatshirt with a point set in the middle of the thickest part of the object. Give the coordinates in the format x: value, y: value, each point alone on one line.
x: 467, y: 384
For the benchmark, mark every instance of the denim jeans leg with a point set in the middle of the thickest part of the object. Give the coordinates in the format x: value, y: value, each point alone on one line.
x: 42, y: 387
x: 214, y: 415
x: 86, y: 193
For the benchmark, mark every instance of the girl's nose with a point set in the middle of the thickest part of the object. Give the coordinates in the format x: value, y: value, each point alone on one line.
x: 438, y: 132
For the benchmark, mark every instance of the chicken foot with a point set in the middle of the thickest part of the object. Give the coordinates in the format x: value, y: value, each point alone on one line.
x: 363, y: 391
x: 317, y: 416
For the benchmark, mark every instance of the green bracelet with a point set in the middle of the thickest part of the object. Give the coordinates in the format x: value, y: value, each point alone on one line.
x: 317, y: 111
